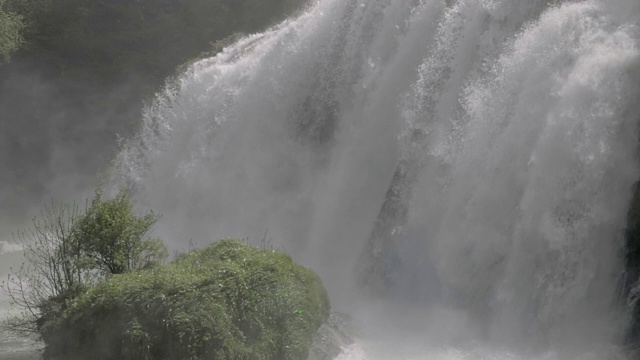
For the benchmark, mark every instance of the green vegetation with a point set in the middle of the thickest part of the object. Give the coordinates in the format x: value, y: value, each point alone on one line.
x: 78, y: 72
x: 114, y: 239
x: 67, y: 252
x: 92, y: 287
x: 227, y: 301
x: 11, y: 27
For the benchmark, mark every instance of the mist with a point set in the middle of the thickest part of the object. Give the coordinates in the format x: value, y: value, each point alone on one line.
x: 81, y: 77
x: 458, y: 173
x: 498, y: 138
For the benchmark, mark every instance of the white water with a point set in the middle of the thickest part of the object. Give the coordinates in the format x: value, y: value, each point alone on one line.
x: 516, y: 121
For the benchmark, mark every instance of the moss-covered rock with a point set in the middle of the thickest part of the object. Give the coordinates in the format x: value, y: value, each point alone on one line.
x: 227, y: 301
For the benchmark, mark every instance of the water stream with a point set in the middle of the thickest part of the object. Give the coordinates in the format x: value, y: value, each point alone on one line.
x: 458, y: 172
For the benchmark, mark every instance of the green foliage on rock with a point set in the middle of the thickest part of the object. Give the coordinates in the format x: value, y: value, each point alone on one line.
x: 11, y: 26
x: 227, y: 301
x: 67, y: 252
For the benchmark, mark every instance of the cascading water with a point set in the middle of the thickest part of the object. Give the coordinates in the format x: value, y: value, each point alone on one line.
x: 472, y: 160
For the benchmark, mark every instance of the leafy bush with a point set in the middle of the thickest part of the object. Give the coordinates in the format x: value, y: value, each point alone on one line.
x: 115, y: 239
x: 227, y: 301
x: 66, y: 252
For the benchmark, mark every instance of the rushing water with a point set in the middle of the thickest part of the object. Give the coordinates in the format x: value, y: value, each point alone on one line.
x: 468, y: 162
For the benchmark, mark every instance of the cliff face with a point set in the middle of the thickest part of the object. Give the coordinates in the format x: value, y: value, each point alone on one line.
x: 631, y: 275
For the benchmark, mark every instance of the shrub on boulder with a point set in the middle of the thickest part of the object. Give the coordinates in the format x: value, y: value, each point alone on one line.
x: 227, y: 301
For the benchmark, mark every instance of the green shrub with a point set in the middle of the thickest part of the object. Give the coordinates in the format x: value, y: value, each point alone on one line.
x: 66, y: 252
x: 11, y: 26
x: 114, y: 239
x: 228, y: 301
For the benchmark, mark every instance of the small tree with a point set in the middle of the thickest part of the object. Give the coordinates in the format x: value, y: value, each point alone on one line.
x: 66, y: 252
x: 53, y: 269
x: 116, y: 239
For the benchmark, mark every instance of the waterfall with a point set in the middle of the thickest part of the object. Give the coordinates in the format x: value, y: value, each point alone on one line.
x: 473, y: 155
